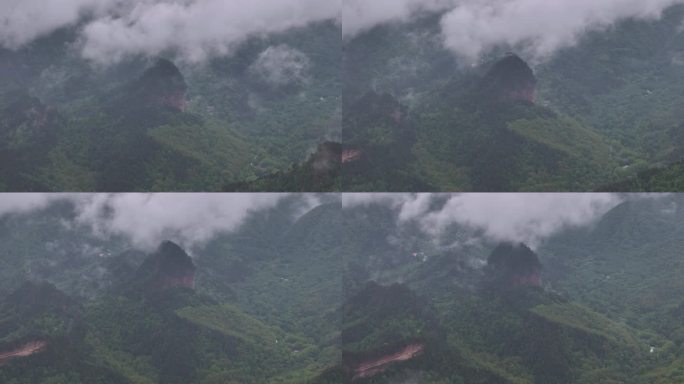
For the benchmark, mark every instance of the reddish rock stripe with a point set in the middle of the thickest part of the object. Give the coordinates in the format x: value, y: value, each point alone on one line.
x: 25, y: 350
x: 349, y: 155
x: 374, y: 367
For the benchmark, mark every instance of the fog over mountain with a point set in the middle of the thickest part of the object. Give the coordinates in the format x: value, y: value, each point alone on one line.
x: 598, y: 301
x: 147, y: 219
x: 193, y: 219
x: 110, y: 30
x: 526, y: 218
x: 471, y: 28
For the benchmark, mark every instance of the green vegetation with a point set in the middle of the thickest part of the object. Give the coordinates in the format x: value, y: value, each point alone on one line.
x: 229, y: 321
x: 261, y: 311
x: 608, y: 309
x: 459, y: 139
x: 140, y: 127
x: 336, y: 294
x: 606, y: 113
x: 664, y: 179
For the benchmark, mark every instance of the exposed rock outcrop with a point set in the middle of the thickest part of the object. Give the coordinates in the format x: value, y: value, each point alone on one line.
x: 169, y: 267
x: 375, y: 366
x: 25, y: 350
x: 351, y: 155
x: 513, y: 265
x: 509, y: 79
x: 163, y: 85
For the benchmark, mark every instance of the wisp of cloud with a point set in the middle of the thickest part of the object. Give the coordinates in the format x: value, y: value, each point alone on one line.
x: 111, y: 30
x: 510, y: 217
x: 145, y: 220
x: 471, y: 28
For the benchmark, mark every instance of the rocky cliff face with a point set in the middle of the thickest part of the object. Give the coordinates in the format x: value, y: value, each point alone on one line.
x: 351, y: 155
x: 163, y: 85
x: 509, y: 79
x: 513, y: 265
x: 24, y: 350
x: 169, y: 267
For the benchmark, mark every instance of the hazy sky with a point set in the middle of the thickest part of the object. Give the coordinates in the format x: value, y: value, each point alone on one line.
x: 528, y: 218
x: 147, y: 219
x: 196, y: 29
x: 472, y: 27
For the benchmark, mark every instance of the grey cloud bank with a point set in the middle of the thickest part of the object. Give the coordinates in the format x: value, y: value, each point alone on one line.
x: 111, y: 30
x: 23, y: 202
x: 513, y: 217
x: 281, y: 65
x: 471, y: 28
x: 195, y: 29
x: 194, y: 219
x: 147, y: 219
x: 361, y: 15
x: 22, y: 21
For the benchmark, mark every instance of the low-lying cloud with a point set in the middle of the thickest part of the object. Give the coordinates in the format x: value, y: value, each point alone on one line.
x: 471, y: 28
x: 189, y: 219
x: 527, y: 218
x: 23, y: 202
x: 145, y: 220
x: 540, y: 27
x: 281, y: 65
x: 22, y: 21
x: 361, y: 15
x: 111, y: 30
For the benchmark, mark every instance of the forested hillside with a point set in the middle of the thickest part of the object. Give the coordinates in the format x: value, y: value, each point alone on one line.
x: 600, y: 303
x: 258, y: 305
x: 165, y: 124
x: 599, y: 114
x: 328, y: 293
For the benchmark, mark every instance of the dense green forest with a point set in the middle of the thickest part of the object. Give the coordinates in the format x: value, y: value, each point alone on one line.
x: 595, y: 116
x: 597, y: 304
x: 345, y: 294
x: 259, y: 305
x: 155, y: 125
x: 661, y: 179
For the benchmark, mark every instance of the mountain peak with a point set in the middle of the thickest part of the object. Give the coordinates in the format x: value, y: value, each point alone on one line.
x: 164, y: 85
x: 511, y: 265
x: 510, y: 79
x: 168, y: 267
